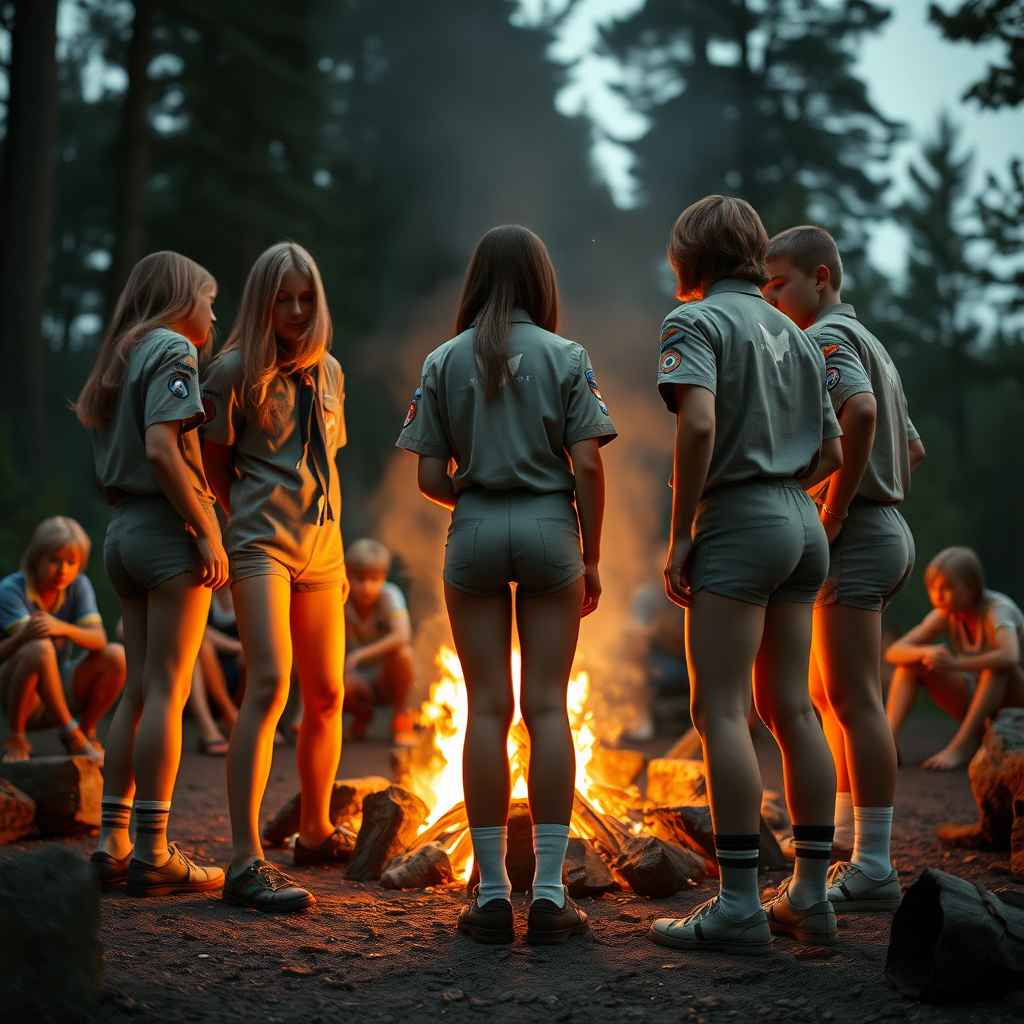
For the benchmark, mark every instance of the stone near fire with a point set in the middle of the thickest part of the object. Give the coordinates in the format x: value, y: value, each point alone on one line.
x: 49, y: 944
x: 616, y: 768
x: 423, y: 866
x: 676, y: 782
x: 391, y: 819
x: 17, y: 813
x: 584, y: 873
x: 346, y: 806
x: 66, y: 790
x: 691, y: 828
x: 655, y: 868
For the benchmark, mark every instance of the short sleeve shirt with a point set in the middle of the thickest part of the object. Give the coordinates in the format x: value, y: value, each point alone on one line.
x: 1000, y: 612
x: 161, y: 385
x: 857, y: 362
x: 389, y: 607
x: 772, y: 410
x: 279, y: 504
x: 76, y: 604
x: 521, y: 437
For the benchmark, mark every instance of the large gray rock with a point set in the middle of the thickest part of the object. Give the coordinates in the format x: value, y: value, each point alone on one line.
x: 67, y: 792
x: 51, y: 959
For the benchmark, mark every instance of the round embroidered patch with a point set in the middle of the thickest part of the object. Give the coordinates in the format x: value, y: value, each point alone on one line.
x: 832, y: 378
x: 209, y: 409
x: 411, y: 414
x: 670, y: 359
x: 178, y: 386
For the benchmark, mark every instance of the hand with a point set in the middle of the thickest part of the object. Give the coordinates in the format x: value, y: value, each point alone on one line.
x: 213, y: 557
x: 938, y: 658
x: 832, y: 526
x: 677, y: 571
x: 592, y: 589
x: 37, y: 627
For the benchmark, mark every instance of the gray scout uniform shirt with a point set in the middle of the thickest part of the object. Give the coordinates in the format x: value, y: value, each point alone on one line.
x: 161, y: 385
x: 855, y: 362
x: 768, y: 378
x: 285, y: 490
x: 520, y: 438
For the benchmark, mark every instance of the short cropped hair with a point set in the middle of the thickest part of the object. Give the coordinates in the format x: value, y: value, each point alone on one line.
x: 54, y: 534
x: 808, y: 247
x: 368, y: 554
x: 962, y: 564
x: 716, y: 238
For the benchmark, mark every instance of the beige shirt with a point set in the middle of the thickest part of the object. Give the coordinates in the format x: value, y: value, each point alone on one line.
x: 1000, y: 612
x: 857, y: 362
x: 772, y: 411
x: 521, y: 437
x: 285, y: 498
x: 161, y: 385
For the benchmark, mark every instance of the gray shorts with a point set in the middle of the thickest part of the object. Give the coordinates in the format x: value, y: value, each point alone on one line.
x: 871, y: 559
x: 514, y: 536
x: 758, y: 541
x: 147, y: 544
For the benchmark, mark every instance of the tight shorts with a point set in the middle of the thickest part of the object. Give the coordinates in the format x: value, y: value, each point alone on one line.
x: 313, y: 577
x: 759, y: 540
x: 871, y: 559
x: 147, y: 544
x: 513, y: 536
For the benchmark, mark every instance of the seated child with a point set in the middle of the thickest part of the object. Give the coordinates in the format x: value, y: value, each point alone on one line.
x: 44, y: 610
x: 379, y: 661
x: 983, y: 672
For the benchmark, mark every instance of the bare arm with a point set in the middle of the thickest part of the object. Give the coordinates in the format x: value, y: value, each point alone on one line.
x: 172, y: 475
x: 1005, y: 654
x: 218, y: 464
x: 434, y: 481
x: 31, y: 629
x: 830, y: 458
x: 917, y: 453
x: 399, y: 634
x: 857, y: 418
x: 90, y: 638
x: 588, y: 469
x: 918, y: 643
x: 695, y: 442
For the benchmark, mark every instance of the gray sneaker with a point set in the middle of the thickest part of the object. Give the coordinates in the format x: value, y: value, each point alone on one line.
x: 815, y: 925
x: 708, y: 927
x: 851, y: 891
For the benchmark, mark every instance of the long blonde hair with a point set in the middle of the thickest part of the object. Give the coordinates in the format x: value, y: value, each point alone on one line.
x: 162, y: 287
x: 253, y: 331
x: 54, y: 534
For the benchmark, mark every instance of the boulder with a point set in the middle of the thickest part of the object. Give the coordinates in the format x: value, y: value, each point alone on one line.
x: 655, y: 868
x: 346, y: 806
x: 67, y: 792
x: 50, y: 940
x: 391, y: 820
x: 17, y: 813
x: 423, y: 866
x: 584, y: 873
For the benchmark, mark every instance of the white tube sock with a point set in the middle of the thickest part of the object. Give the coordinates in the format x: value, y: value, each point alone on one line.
x: 549, y: 843
x: 489, y: 847
x: 871, y: 844
x: 844, y: 821
x: 151, y: 831
x: 738, y: 897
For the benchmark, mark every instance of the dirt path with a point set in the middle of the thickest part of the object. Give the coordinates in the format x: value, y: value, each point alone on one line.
x: 383, y: 957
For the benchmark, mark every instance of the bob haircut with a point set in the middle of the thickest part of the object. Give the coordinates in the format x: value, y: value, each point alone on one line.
x: 808, y: 247
x: 961, y: 564
x: 368, y: 555
x: 716, y: 238
x: 253, y: 331
x: 162, y: 287
x: 57, y: 533
x: 510, y: 269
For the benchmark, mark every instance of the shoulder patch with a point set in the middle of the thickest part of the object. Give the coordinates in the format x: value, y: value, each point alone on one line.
x: 669, y: 332
x: 670, y: 359
x: 186, y: 365
x: 832, y: 378
x: 597, y: 394
x: 827, y: 350
x: 178, y: 386
x: 411, y: 414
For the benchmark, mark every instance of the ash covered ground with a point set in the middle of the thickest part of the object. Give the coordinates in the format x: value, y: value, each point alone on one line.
x: 378, y: 956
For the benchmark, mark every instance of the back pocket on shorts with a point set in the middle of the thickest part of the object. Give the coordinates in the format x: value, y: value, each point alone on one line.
x: 461, y: 547
x: 561, y: 541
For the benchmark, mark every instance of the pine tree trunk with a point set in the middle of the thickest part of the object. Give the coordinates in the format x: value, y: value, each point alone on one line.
x: 136, y: 147
x: 26, y: 217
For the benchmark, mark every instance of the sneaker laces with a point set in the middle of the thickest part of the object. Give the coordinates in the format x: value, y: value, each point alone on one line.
x: 273, y: 878
x: 837, y: 873
x: 705, y: 910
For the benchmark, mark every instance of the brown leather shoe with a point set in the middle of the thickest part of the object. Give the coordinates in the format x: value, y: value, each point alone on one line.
x: 491, y: 923
x: 335, y: 849
x: 111, y: 872
x: 550, y: 924
x: 179, y: 874
x: 263, y: 887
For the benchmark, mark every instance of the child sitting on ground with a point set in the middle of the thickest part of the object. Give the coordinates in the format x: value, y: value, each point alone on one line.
x: 45, y: 609
x: 983, y: 672
x: 379, y: 665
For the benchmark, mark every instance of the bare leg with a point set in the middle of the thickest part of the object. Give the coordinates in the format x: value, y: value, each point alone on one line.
x: 216, y: 688
x: 847, y: 644
x: 950, y: 690
x: 722, y: 639
x: 118, y: 777
x: 780, y: 689
x: 199, y: 706
x: 482, y: 630
x: 262, y: 607
x: 548, y: 630
x: 359, y: 699
x: 319, y: 647
x: 829, y: 723
x: 35, y: 676
x: 98, y: 679
x: 395, y: 681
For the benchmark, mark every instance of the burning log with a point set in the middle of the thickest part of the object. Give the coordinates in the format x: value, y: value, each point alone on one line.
x: 584, y: 873
x: 655, y: 868
x: 391, y: 819
x: 66, y: 790
x: 676, y: 782
x: 346, y: 806
x: 615, y: 768
x: 17, y: 813
x: 426, y: 865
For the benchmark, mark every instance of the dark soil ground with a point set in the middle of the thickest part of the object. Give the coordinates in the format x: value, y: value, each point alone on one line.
x: 379, y: 956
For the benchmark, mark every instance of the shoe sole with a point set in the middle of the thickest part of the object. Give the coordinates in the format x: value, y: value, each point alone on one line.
x: 803, y: 934
x: 741, y: 948
x: 488, y: 936
x: 553, y: 937
x: 305, y: 903
x: 170, y: 888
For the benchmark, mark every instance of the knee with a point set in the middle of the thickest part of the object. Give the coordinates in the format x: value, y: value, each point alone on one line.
x: 497, y: 712
x: 266, y: 693
x: 402, y: 662
x: 535, y: 711
x: 113, y: 661
x: 325, y: 703
x: 38, y: 654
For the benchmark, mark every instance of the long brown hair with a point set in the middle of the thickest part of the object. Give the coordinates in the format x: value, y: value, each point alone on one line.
x: 162, y: 287
x: 253, y: 330
x: 510, y: 269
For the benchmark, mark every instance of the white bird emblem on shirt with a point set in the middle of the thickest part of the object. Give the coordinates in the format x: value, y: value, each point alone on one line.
x: 513, y: 364
x: 777, y: 344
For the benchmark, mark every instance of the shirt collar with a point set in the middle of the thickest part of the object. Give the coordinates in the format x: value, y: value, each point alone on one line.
x: 734, y: 284
x: 836, y: 309
x: 519, y: 316
x: 32, y: 593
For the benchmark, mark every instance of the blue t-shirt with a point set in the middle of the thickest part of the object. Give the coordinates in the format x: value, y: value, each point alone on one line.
x: 75, y: 604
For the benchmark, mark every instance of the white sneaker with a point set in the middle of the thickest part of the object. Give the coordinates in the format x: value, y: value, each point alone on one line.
x: 709, y: 927
x: 851, y: 891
